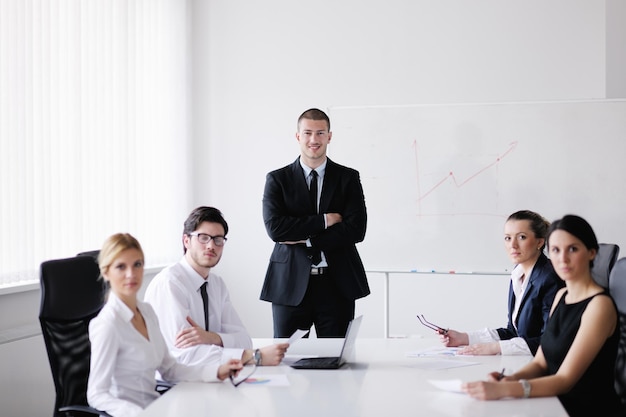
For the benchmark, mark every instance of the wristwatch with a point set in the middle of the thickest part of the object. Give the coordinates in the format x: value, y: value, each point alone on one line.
x: 257, y: 356
x: 525, y: 387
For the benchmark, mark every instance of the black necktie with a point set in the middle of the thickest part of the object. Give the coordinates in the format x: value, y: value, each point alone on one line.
x: 205, y: 301
x: 316, y: 255
x: 313, y: 190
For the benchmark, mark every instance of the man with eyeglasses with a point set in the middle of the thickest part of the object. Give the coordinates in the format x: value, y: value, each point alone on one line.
x: 196, y: 315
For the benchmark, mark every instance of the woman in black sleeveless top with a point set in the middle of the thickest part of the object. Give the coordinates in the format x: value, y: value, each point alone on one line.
x: 576, y: 359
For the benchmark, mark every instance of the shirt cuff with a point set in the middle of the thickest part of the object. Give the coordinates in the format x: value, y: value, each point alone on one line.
x: 515, y: 346
x: 209, y: 373
x: 228, y: 339
x: 231, y: 353
x: 485, y: 335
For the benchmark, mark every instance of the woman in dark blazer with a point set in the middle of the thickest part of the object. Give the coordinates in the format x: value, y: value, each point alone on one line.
x: 531, y: 292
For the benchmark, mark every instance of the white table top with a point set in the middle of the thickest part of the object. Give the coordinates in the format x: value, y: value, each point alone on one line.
x: 382, y: 381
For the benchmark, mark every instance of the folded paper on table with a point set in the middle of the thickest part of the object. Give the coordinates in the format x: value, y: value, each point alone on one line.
x: 268, y: 380
x: 440, y: 364
x: 450, y: 385
x: 434, y: 351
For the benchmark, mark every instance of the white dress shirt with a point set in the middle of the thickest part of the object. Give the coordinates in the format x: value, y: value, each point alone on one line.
x: 174, y: 293
x: 321, y: 171
x: 519, y: 288
x: 516, y: 345
x: 123, y: 362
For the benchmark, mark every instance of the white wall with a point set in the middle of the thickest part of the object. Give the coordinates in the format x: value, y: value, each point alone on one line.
x: 25, y: 379
x: 259, y: 65
x: 615, y: 47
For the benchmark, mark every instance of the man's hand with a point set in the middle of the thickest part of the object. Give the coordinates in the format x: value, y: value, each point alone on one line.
x: 196, y: 335
x: 333, y: 218
x: 232, y: 367
x: 273, y: 354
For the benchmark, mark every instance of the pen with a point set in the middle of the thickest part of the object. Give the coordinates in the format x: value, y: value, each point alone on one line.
x: 501, y: 375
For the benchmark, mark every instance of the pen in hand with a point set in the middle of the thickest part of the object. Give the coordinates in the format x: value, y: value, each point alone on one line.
x: 501, y: 375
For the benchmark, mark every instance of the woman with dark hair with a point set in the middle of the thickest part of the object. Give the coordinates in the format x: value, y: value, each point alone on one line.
x: 576, y: 359
x: 531, y: 292
x: 127, y: 347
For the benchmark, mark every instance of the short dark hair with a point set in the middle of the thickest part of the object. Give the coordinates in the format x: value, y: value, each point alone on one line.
x: 200, y: 215
x: 538, y: 224
x: 578, y: 227
x: 314, y: 114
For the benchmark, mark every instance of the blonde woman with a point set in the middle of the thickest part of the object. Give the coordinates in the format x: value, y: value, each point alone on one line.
x: 127, y: 347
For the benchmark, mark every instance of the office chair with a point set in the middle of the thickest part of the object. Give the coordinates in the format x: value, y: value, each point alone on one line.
x: 603, y: 263
x: 617, y: 288
x: 71, y: 295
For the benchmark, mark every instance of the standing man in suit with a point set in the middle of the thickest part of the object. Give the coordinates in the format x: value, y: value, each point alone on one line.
x: 314, y: 211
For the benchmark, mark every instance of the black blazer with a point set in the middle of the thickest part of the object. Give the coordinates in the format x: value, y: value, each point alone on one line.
x: 534, y: 310
x: 288, y: 217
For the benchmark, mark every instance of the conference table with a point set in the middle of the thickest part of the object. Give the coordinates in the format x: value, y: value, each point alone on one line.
x: 393, y: 377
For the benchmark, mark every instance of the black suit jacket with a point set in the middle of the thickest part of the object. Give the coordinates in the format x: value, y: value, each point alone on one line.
x: 288, y: 217
x: 534, y: 310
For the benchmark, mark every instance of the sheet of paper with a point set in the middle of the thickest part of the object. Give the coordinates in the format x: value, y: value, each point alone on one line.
x: 269, y: 380
x: 450, y: 385
x: 298, y: 334
x: 440, y: 364
x: 434, y: 351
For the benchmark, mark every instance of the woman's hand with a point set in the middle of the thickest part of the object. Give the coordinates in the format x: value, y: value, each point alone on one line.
x: 452, y: 338
x: 484, y: 390
x: 491, y: 348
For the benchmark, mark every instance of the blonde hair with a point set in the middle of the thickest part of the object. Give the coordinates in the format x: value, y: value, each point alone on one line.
x: 113, y: 246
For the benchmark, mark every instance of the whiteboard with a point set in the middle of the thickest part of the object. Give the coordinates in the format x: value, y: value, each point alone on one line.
x: 440, y: 180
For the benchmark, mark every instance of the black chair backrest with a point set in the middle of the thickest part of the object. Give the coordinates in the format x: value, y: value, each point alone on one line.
x: 617, y: 288
x: 604, y: 262
x: 71, y: 295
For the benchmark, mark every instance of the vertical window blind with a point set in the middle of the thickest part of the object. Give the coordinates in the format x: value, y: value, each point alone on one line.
x: 94, y: 128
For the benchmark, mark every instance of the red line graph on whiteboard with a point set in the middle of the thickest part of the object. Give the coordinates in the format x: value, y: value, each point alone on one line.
x: 451, y: 177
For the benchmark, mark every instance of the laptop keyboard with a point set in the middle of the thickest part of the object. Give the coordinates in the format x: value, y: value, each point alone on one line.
x: 323, y: 362
x: 326, y: 361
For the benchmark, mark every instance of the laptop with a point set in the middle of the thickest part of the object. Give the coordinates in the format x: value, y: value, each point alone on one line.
x: 333, y: 362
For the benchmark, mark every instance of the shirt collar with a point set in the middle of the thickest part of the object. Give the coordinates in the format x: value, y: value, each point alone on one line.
x: 196, y: 279
x: 320, y: 169
x: 120, y: 307
x: 518, y: 271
